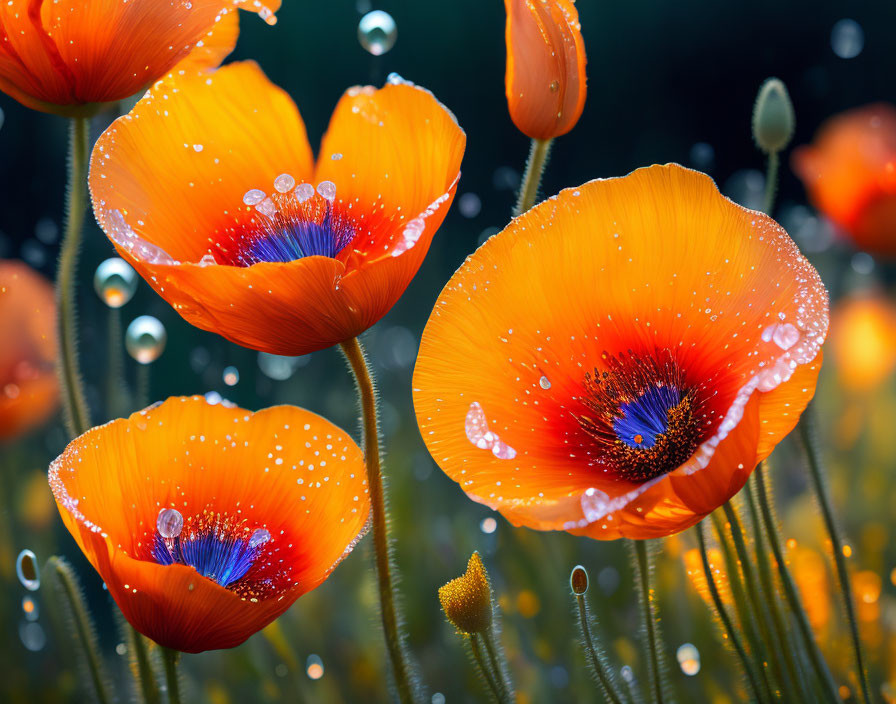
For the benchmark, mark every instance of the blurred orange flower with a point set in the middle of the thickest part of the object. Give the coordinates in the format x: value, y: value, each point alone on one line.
x: 617, y: 360
x: 206, y: 189
x: 70, y: 57
x: 545, y: 79
x: 29, y: 389
x: 203, y: 527
x: 863, y: 340
x: 850, y: 174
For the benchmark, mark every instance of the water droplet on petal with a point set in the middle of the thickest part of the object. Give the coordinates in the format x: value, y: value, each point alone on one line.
x: 284, y: 183
x: 544, y: 383
x: 115, y: 282
x: 267, y: 208
x: 169, y: 523
x: 27, y: 570
x: 253, y: 197
x: 259, y: 537
x: 377, y: 32
x: 145, y: 339
x: 303, y: 192
x: 336, y: 157
x: 327, y: 189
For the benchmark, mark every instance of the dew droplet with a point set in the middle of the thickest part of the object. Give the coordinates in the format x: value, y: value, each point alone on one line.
x: 327, y: 189
x: 115, y: 282
x: 555, y: 86
x: 688, y: 658
x: 231, y: 376
x: 169, y: 523
x: 145, y: 339
x: 267, y: 208
x: 303, y: 192
x: 32, y: 636
x: 279, y: 368
x: 27, y: 570
x: 544, y: 383
x: 259, y: 537
x: 253, y: 197
x: 488, y: 525
x: 284, y: 183
x: 847, y: 39
x: 314, y: 667
x: 29, y: 608
x: 377, y: 32
x: 336, y: 157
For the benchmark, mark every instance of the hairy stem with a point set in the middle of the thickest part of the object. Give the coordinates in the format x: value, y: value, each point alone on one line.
x: 538, y: 158
x: 649, y: 619
x: 489, y: 676
x: 172, y: 679
x: 597, y: 664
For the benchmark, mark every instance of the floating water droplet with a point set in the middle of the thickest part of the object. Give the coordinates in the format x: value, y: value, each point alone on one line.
x: 627, y: 674
x: 259, y: 537
x: 27, y: 570
x: 145, y: 339
x: 488, y: 525
x: 32, y: 636
x: 862, y: 263
x: 29, y: 608
x: 115, y: 282
x: 284, y: 183
x: 688, y: 658
x: 253, y: 197
x: 279, y: 368
x: 231, y: 376
x: 702, y: 156
x: 303, y: 192
x: 377, y: 32
x: 437, y: 698
x: 327, y: 189
x: 847, y: 39
x: 469, y: 205
x: 314, y: 667
x: 544, y: 383
x: 169, y: 523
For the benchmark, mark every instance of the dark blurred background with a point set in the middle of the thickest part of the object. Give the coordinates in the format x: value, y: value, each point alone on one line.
x: 668, y: 81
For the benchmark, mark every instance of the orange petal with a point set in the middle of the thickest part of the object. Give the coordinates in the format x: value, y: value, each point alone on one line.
x: 863, y: 341
x: 29, y: 391
x: 545, y: 79
x: 850, y: 174
x: 283, y: 469
x: 654, y: 261
x: 217, y: 44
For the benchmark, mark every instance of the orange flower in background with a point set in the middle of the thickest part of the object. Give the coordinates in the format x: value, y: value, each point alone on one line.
x: 850, y: 174
x: 209, y: 189
x: 545, y: 79
x: 70, y: 57
x: 618, y: 360
x: 29, y: 389
x: 863, y: 340
x: 206, y: 522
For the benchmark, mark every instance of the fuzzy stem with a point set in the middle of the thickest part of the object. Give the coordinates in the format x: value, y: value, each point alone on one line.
x: 115, y: 387
x: 142, y: 666
x: 538, y: 159
x: 70, y: 592
x: 816, y: 472
x: 172, y: 679
x: 597, y: 665
x: 499, y: 665
x: 790, y: 591
x: 649, y: 618
x: 771, y: 183
x: 77, y: 416
x: 484, y: 669
x: 354, y: 353
x: 725, y: 619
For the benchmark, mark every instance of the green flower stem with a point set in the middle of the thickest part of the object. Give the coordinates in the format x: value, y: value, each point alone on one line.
x: 790, y: 592
x: 115, y: 387
x: 77, y: 417
x: 142, y: 385
x: 69, y: 593
x: 142, y: 667
x: 538, y: 159
x: 643, y: 567
x: 172, y: 678
x: 498, y: 664
x: 354, y: 353
x: 771, y: 183
x: 744, y: 613
x: 601, y: 673
x: 770, y: 640
x: 724, y: 618
x: 816, y: 473
x: 484, y: 670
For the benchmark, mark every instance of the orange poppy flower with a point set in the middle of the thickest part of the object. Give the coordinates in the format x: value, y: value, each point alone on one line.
x: 545, y: 79
x: 863, y: 338
x: 850, y: 174
x: 29, y: 389
x: 206, y: 522
x: 70, y: 57
x: 207, y: 189
x: 618, y: 360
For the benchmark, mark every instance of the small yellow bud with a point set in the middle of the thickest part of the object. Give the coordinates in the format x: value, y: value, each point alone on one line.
x: 578, y: 580
x: 773, y: 117
x: 467, y: 600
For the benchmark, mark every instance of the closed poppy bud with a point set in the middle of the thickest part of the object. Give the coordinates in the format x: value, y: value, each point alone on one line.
x: 467, y: 600
x: 578, y: 580
x: 545, y: 78
x: 773, y: 118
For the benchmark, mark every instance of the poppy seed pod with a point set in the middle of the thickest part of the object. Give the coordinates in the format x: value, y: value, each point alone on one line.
x: 773, y: 117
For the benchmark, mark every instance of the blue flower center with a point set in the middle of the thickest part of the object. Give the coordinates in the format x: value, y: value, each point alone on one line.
x: 646, y: 417
x: 285, y: 239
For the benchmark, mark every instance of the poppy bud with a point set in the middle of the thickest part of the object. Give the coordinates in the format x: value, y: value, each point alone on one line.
x: 578, y: 580
x: 545, y: 80
x: 467, y: 600
x: 773, y: 118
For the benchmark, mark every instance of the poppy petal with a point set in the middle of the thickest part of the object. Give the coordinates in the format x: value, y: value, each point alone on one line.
x: 282, y: 469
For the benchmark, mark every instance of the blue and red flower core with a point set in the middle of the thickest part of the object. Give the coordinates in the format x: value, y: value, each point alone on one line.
x: 644, y: 418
